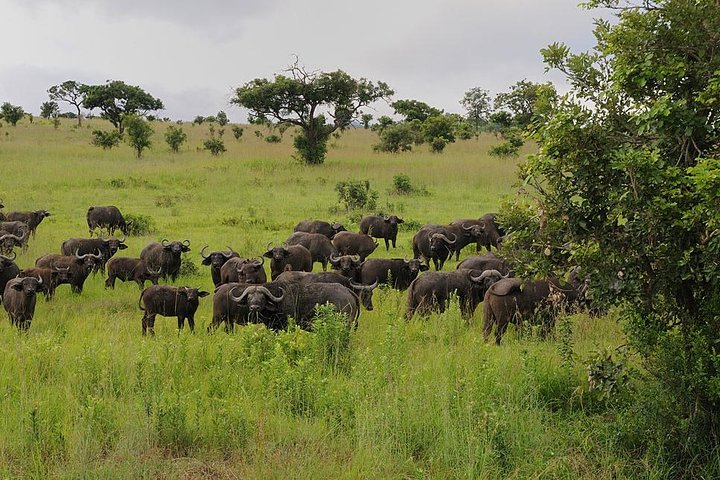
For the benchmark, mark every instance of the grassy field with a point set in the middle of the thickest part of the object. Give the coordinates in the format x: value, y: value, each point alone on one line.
x: 85, y: 396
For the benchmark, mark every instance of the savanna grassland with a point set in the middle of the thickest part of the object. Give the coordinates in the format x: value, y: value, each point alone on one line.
x: 84, y: 395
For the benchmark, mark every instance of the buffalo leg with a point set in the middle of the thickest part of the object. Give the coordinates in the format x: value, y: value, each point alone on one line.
x: 191, y: 323
x: 181, y: 323
x: 387, y: 244
x: 110, y: 282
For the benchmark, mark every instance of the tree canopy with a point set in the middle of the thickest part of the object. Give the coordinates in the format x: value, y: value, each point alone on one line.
x: 116, y: 100
x: 319, y: 103
x: 71, y: 92
x: 627, y: 184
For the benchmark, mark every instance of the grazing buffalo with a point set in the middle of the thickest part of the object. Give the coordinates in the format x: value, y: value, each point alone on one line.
x: 294, y: 258
x: 319, y: 226
x: 165, y: 256
x: 318, y: 245
x: 106, y: 246
x: 226, y: 310
x: 243, y: 270
x: 169, y: 301
x: 486, y: 262
x: 31, y: 219
x: 17, y: 228
x: 273, y: 307
x: 467, y: 232
x: 8, y: 241
x: 492, y: 232
x: 216, y: 260
x: 51, y: 278
x: 19, y: 300
x: 77, y: 266
x: 385, y: 227
x: 365, y: 292
x: 8, y: 270
x: 396, y: 272
x: 348, y: 243
x: 433, y: 242
x: 108, y: 218
x: 347, y: 265
x: 431, y: 292
x: 514, y: 300
x: 130, y: 270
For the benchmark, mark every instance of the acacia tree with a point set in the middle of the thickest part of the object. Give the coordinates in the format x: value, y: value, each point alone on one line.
x: 11, y: 113
x: 478, y: 106
x: 627, y: 184
x: 116, y: 100
x: 49, y: 109
x: 71, y: 92
x: 319, y: 103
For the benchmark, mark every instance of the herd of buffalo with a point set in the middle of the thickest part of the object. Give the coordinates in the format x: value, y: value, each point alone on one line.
x: 243, y: 293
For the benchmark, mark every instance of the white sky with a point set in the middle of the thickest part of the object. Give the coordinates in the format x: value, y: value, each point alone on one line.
x: 192, y: 54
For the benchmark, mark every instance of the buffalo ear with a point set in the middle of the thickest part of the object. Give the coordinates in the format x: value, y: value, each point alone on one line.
x: 203, y: 293
x: 41, y: 287
x: 17, y: 286
x: 268, y: 254
x: 206, y: 261
x: 122, y: 246
x: 424, y: 268
x: 400, y: 220
x: 185, y: 248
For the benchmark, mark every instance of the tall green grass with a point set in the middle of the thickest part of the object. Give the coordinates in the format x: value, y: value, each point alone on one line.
x: 85, y: 396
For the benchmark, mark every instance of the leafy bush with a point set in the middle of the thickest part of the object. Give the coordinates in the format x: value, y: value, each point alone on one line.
x: 273, y: 138
x: 106, y: 140
x: 331, y: 340
x: 139, y: 225
x: 215, y: 146
x: 237, y: 132
x: 188, y: 267
x: 175, y: 137
x: 356, y: 194
x: 402, y: 184
x: 395, y: 138
x: 138, y: 133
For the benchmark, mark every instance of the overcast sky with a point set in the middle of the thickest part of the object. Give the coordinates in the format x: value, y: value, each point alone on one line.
x: 192, y: 54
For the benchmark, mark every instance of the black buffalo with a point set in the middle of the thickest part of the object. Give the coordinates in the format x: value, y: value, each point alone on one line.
x: 365, y: 292
x: 434, y: 243
x: 130, y: 270
x: 319, y: 226
x: 396, y: 272
x: 467, y: 231
x: 77, y: 266
x: 486, y: 262
x: 514, y: 300
x: 19, y: 299
x: 317, y: 244
x: 243, y: 270
x: 431, y: 292
x: 166, y: 256
x: 51, y: 278
x: 106, y: 246
x: 31, y: 219
x: 8, y: 241
x: 385, y: 227
x: 226, y: 310
x: 347, y: 265
x: 17, y: 228
x: 216, y: 260
x: 108, y: 218
x: 349, y: 243
x: 169, y: 301
x: 8, y: 270
x: 293, y: 257
x: 492, y: 232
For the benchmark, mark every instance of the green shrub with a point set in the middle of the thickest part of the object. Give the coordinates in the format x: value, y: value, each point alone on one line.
x: 402, y: 184
x: 106, y: 140
x: 188, y: 267
x: 273, y: 138
x: 175, y: 137
x: 139, y: 225
x: 356, y: 194
x: 215, y: 146
x: 237, y: 132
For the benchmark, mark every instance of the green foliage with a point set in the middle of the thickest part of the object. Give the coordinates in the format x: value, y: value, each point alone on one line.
x: 627, y: 188
x: 526, y: 100
x: 296, y: 100
x: 221, y: 118
x: 11, y: 113
x: 382, y: 123
x: 237, y: 132
x: 139, y: 225
x: 477, y: 104
x: 366, y: 118
x: 215, y: 145
x: 355, y: 194
x: 415, y: 110
x: 331, y: 339
x: 175, y: 137
x: 198, y: 120
x: 49, y: 109
x: 138, y: 133
x: 402, y: 184
x: 273, y: 138
x: 188, y: 267
x: 117, y: 100
x: 395, y: 138
x: 70, y: 92
x: 511, y: 145
x: 438, y: 131
x: 106, y: 139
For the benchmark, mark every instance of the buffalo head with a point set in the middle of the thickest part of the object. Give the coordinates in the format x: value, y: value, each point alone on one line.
x: 176, y: 247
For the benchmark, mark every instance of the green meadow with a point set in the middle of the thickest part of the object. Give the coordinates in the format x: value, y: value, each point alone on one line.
x: 84, y: 395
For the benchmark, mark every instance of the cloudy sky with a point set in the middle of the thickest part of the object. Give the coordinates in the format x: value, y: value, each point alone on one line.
x: 192, y: 54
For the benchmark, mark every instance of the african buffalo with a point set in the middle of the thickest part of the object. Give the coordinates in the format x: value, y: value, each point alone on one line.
x: 385, y: 227
x: 19, y: 300
x: 243, y: 270
x: 51, y: 278
x: 108, y: 218
x: 78, y: 267
x: 297, y: 301
x: 348, y: 243
x: 467, y: 231
x: 432, y: 291
x: 130, y: 270
x: 492, y: 232
x: 31, y: 219
x: 347, y: 265
x: 8, y: 241
x: 365, y: 292
x: 8, y: 270
x: 216, y: 260
x: 293, y: 257
x: 169, y: 301
x: 225, y: 310
x: 433, y: 242
x: 516, y: 300
x: 106, y: 246
x: 166, y: 256
x: 17, y: 228
x: 319, y: 226
x: 485, y: 262
x: 319, y: 246
x: 397, y: 272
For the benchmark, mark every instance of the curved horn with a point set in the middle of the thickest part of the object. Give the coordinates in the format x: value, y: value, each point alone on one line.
x: 366, y: 288
x: 267, y: 247
x: 202, y: 252
x: 14, y: 256
x: 262, y: 261
x: 386, y: 217
x: 356, y: 257
x: 39, y: 279
x: 467, y: 228
x: 232, y: 252
x: 271, y: 296
x: 154, y: 272
x: 98, y: 256
x: 334, y: 259
x: 122, y: 240
x: 77, y: 250
x: 240, y: 298
x: 164, y: 242
x: 186, y: 242
x: 484, y: 275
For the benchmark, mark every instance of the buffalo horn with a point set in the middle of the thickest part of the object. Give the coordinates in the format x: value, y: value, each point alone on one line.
x: 467, y: 228
x: 39, y: 279
x: 14, y: 255
x: 267, y: 247
x: 334, y: 259
x: 186, y: 243
x: 356, y: 258
x: 366, y: 288
x: 485, y: 275
x: 164, y: 242
x: 202, y: 254
x: 230, y: 252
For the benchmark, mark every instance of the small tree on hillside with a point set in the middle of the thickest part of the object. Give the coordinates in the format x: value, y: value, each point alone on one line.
x: 175, y: 137
x: 70, y: 92
x: 117, y: 100
x: 11, y: 113
x: 478, y: 106
x: 138, y: 133
x: 49, y: 109
x: 221, y: 118
x: 366, y: 118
